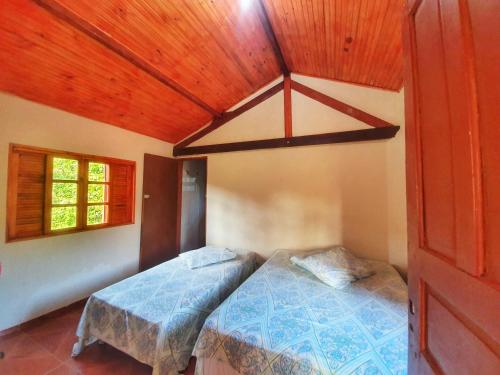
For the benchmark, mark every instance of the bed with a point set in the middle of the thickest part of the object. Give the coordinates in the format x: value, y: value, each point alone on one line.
x: 282, y: 320
x: 155, y: 316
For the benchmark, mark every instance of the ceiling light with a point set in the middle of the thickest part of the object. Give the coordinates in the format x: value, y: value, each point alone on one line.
x: 245, y: 4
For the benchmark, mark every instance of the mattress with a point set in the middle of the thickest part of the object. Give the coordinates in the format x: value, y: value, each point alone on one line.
x: 283, y: 320
x: 155, y: 316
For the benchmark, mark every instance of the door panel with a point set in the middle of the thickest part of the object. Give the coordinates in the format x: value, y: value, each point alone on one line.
x: 435, y: 134
x: 453, y: 181
x: 159, y: 211
x: 484, y: 16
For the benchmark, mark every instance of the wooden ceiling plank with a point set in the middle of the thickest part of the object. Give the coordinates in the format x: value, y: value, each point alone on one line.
x: 329, y: 37
x: 374, y: 54
x: 379, y: 47
x: 64, y: 68
x: 73, y: 19
x: 359, y: 42
x: 304, y: 140
x: 392, y: 61
x: 313, y: 36
x: 266, y: 23
x: 347, y: 109
x: 228, y: 116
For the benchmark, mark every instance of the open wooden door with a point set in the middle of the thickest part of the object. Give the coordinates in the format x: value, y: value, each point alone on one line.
x: 159, y: 211
x: 452, y: 80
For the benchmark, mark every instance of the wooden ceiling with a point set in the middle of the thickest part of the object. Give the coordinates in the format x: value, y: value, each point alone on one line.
x: 356, y: 41
x: 166, y: 68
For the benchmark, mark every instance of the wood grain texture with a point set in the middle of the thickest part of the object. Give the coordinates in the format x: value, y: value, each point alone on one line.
x: 76, y: 21
x: 356, y: 41
x: 29, y: 193
x: 302, y: 140
x: 45, y: 60
x: 271, y: 36
x: 214, y: 49
x: 451, y: 49
x: 27, y: 182
x: 167, y: 68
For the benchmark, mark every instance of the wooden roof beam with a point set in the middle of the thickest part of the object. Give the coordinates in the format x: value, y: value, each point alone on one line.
x: 266, y: 23
x: 304, y: 140
x: 347, y: 109
x: 76, y: 21
x: 228, y: 116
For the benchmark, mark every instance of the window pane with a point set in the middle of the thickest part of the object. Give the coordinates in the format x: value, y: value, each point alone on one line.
x: 97, y: 193
x: 65, y: 169
x: 63, y: 217
x: 64, y: 193
x: 96, y: 215
x: 98, y: 172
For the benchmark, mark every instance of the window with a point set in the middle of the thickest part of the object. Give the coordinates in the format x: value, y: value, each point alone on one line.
x: 97, y: 193
x: 53, y: 192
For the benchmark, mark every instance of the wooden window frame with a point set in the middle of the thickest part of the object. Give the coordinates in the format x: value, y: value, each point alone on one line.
x: 82, y: 182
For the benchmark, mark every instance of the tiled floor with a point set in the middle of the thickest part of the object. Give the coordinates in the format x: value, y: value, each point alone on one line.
x: 44, y: 347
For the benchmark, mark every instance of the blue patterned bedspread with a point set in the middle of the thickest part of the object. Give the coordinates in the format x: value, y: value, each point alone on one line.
x: 156, y: 315
x: 283, y: 320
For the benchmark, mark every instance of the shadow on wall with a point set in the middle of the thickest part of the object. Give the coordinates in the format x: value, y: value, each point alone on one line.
x: 300, y: 198
x: 364, y: 202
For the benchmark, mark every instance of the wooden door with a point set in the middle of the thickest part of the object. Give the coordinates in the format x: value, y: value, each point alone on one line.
x: 452, y: 80
x: 193, y: 204
x: 159, y: 211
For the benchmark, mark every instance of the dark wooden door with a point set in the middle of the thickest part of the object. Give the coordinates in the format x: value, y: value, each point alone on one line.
x: 159, y: 210
x: 193, y: 201
x: 452, y: 80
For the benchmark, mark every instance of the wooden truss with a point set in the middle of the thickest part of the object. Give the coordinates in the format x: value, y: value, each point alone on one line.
x: 381, y: 129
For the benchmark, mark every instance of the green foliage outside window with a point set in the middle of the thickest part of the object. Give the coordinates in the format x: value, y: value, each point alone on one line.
x: 64, y: 169
x: 63, y: 217
x: 97, y: 172
x: 95, y: 215
x: 64, y: 193
x: 97, y: 193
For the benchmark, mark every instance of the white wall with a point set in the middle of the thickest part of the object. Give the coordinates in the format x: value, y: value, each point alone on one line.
x: 44, y: 274
x: 313, y: 196
x: 261, y: 200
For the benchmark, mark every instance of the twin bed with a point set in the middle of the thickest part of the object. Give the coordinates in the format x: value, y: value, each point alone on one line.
x: 281, y: 320
x: 155, y: 316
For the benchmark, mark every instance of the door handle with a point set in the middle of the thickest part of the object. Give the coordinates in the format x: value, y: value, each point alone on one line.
x: 147, y: 196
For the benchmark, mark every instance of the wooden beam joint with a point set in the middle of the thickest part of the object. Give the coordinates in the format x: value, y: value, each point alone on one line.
x: 228, y: 116
x: 271, y: 36
x: 347, y: 109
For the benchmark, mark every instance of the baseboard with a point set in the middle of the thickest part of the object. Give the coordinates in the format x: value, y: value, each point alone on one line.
x: 49, y: 315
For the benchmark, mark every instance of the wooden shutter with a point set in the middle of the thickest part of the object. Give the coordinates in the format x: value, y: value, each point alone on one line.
x: 26, y: 194
x: 29, y: 192
x: 121, y: 205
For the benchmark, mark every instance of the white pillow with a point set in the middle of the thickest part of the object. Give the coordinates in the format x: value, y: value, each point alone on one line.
x: 336, y: 267
x: 207, y: 255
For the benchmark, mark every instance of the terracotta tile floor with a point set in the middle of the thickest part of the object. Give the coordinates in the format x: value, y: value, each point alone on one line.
x: 44, y: 347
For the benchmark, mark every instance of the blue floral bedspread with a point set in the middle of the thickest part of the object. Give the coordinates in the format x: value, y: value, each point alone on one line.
x: 283, y: 320
x: 156, y: 315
